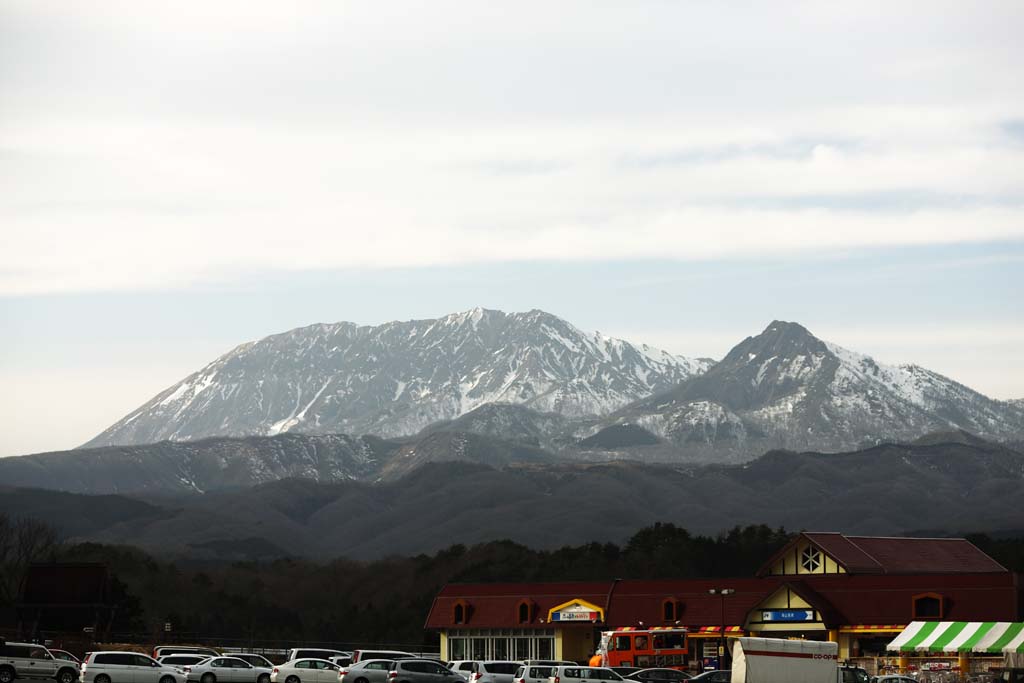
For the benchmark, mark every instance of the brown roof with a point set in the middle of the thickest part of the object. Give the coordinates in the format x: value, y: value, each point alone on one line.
x: 841, y: 598
x: 896, y: 555
x: 496, y: 605
x: 917, y: 555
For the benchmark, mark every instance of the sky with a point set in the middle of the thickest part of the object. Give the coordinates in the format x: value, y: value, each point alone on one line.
x: 178, y: 178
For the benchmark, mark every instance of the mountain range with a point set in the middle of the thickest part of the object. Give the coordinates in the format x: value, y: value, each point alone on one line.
x: 951, y: 481
x: 533, y: 381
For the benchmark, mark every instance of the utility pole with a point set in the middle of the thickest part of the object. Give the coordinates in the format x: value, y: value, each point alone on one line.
x: 721, y: 634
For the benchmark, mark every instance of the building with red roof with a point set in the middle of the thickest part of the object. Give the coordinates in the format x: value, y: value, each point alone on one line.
x: 858, y: 591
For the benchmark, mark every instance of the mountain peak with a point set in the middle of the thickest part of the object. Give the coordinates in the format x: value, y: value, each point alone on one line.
x: 395, y: 379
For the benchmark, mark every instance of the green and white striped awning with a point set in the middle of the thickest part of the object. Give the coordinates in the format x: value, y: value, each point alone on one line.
x: 991, y: 637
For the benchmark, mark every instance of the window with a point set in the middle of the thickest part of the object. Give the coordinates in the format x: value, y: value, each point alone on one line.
x: 641, y: 642
x: 460, y: 612
x: 928, y: 606
x: 304, y: 665
x: 622, y: 643
x: 525, y: 611
x: 810, y: 559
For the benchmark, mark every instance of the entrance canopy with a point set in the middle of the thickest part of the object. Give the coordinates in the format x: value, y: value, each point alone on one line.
x: 984, y: 637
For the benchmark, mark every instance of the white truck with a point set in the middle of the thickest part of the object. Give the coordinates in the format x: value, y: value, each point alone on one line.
x: 773, y: 660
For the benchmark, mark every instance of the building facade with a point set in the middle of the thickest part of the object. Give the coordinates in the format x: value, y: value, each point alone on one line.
x: 860, y: 592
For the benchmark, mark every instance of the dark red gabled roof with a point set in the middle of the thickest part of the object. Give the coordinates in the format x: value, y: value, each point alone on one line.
x: 931, y: 555
x: 495, y: 605
x: 895, y: 555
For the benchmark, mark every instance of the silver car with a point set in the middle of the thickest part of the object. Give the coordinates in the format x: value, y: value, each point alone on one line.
x: 227, y: 670
x: 366, y: 671
x: 493, y: 671
x: 28, y: 660
x: 422, y: 671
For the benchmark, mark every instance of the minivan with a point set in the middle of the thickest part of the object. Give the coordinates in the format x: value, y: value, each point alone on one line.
x: 127, y: 667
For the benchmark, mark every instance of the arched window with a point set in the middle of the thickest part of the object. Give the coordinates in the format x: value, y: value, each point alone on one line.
x: 928, y: 606
x: 460, y: 612
x: 524, y: 611
x: 671, y: 608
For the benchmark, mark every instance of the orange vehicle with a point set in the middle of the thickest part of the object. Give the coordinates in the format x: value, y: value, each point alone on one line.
x: 661, y: 647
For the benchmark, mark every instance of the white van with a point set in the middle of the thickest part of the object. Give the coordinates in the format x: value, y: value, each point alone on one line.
x: 127, y: 667
x: 582, y: 674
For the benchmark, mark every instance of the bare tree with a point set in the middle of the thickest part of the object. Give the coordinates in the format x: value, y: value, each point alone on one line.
x: 22, y: 541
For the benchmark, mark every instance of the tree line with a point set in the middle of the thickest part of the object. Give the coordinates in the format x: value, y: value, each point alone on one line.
x: 382, y: 602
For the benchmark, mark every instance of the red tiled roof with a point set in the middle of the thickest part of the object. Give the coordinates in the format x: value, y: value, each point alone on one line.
x: 916, y: 555
x: 845, y: 552
x: 896, y: 555
x: 842, y: 598
x: 496, y: 605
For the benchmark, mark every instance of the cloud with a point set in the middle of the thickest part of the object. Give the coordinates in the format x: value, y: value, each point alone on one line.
x: 159, y: 148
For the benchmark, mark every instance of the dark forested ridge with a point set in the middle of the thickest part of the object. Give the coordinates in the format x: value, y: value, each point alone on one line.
x: 892, y: 489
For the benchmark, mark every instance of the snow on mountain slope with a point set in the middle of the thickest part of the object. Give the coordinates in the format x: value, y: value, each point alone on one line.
x: 396, y: 378
x: 787, y: 389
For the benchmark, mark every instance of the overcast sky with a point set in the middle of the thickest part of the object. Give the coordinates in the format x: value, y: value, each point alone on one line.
x: 177, y: 178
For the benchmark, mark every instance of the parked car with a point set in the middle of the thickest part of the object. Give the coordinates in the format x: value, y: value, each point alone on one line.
x: 463, y: 667
x: 163, y: 650
x: 305, y: 671
x: 893, y: 678
x: 33, y: 661
x: 366, y: 671
x: 314, y: 653
x: 625, y: 670
x: 532, y: 673
x: 422, y: 671
x: 127, y: 667
x: 65, y: 655
x: 227, y: 669
x: 723, y: 676
x: 341, y: 660
x: 658, y: 676
x: 582, y: 674
x: 181, y: 661
x: 360, y: 655
x: 493, y: 671
x: 252, y: 658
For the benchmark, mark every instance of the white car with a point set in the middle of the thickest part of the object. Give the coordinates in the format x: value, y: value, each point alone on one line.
x: 252, y: 658
x: 305, y: 671
x: 181, y: 661
x: 227, y: 670
x: 127, y: 667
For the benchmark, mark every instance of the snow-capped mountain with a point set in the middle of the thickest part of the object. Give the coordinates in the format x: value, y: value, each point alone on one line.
x: 395, y: 379
x: 785, y: 388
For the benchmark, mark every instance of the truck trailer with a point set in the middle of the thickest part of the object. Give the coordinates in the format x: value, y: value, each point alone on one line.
x: 773, y: 660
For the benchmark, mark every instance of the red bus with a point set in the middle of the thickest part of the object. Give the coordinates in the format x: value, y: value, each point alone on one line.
x: 661, y: 647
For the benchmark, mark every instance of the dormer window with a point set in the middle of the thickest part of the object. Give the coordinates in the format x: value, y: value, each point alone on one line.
x: 525, y: 611
x: 810, y: 560
x: 928, y: 606
x: 670, y: 609
x: 460, y: 612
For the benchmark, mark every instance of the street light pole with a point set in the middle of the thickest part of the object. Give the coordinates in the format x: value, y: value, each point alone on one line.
x: 721, y: 634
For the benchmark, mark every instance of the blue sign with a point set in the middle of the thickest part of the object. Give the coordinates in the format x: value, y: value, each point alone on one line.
x: 787, y: 615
